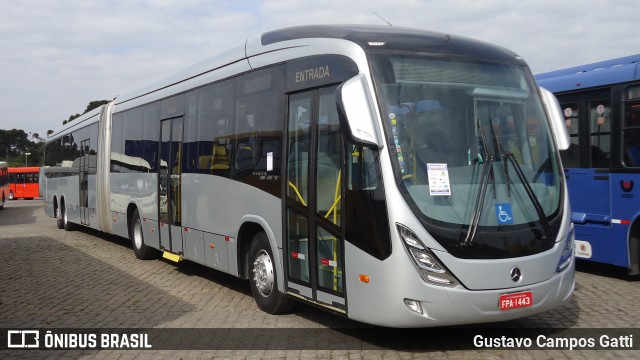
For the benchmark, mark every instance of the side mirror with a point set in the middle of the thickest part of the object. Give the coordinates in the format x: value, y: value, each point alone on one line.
x: 556, y: 116
x: 358, y: 116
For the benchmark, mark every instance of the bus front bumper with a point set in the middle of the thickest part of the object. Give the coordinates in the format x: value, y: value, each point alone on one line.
x: 441, y: 306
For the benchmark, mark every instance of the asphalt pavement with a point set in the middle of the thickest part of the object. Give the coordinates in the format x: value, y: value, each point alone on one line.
x: 83, y: 283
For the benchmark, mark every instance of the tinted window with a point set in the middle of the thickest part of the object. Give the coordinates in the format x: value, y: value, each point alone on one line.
x: 212, y: 125
x: 233, y: 128
x: 571, y: 156
x: 366, y: 221
x: 600, y: 131
x: 150, y: 134
x: 63, y: 155
x: 259, y: 118
x: 631, y: 128
x: 117, y: 148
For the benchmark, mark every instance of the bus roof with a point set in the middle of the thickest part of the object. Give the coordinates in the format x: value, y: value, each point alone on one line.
x: 24, y: 169
x: 237, y: 59
x: 614, y: 71
x: 391, y: 38
x: 395, y: 38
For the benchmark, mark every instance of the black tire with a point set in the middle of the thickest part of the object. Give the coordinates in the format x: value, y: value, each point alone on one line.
x: 68, y: 226
x: 136, y: 235
x: 263, y: 279
x: 634, y: 254
x: 58, y: 214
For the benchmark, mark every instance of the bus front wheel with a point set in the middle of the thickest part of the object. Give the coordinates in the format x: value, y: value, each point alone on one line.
x: 263, y: 279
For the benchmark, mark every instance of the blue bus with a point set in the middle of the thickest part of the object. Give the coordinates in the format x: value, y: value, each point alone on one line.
x: 601, y: 105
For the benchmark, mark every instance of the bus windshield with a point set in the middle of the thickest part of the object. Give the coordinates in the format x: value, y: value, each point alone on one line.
x: 472, y: 152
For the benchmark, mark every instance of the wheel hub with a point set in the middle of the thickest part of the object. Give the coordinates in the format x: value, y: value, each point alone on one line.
x: 263, y: 273
x: 137, y: 234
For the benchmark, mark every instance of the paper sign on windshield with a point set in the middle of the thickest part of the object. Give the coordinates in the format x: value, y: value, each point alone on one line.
x: 438, y: 179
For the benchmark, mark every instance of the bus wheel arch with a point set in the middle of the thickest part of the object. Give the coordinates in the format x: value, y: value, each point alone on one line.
x: 247, y: 232
x: 252, y: 225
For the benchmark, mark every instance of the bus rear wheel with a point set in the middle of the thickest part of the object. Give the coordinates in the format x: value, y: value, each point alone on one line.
x: 142, y: 251
x: 634, y: 255
x: 263, y: 279
x: 63, y: 218
x: 58, y: 212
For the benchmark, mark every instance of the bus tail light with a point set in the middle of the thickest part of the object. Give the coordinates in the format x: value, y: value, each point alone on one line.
x: 427, y: 264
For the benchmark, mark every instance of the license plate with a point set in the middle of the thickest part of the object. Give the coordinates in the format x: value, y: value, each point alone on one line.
x: 516, y: 300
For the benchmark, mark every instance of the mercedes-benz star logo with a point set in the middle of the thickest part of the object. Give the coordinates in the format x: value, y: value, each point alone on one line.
x: 516, y: 274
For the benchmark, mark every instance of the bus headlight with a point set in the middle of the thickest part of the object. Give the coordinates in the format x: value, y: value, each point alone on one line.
x: 567, y: 252
x: 425, y: 261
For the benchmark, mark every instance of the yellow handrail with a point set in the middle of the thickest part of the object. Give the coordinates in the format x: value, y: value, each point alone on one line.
x: 297, y: 193
x: 334, y: 210
x: 336, y: 200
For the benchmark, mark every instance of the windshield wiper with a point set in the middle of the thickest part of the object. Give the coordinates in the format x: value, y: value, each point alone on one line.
x: 478, y: 206
x: 523, y: 179
x: 502, y: 154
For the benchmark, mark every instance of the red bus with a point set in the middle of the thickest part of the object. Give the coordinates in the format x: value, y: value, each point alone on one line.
x: 23, y: 182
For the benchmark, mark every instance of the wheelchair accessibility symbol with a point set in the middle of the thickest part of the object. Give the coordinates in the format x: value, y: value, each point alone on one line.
x: 504, y: 214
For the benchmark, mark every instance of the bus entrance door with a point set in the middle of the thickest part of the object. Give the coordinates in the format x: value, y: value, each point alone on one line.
x: 589, y: 180
x: 169, y: 186
x: 313, y: 202
x: 84, y: 184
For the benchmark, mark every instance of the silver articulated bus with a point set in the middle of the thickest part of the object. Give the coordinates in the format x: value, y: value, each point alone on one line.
x: 398, y: 177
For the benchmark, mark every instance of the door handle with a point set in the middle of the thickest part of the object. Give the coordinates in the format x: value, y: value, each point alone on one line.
x: 581, y: 218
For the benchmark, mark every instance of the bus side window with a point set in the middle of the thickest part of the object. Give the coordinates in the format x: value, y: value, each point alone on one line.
x: 366, y: 221
x: 362, y: 170
x: 246, y: 129
x: 632, y: 152
x: 600, y: 131
x: 631, y: 132
x: 571, y: 157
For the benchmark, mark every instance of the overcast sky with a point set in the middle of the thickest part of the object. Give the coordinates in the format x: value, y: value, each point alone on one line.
x: 58, y: 55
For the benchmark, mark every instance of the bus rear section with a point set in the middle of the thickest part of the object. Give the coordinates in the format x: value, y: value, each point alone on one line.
x: 24, y: 182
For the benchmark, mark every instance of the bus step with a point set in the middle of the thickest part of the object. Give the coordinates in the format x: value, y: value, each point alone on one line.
x: 171, y: 256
